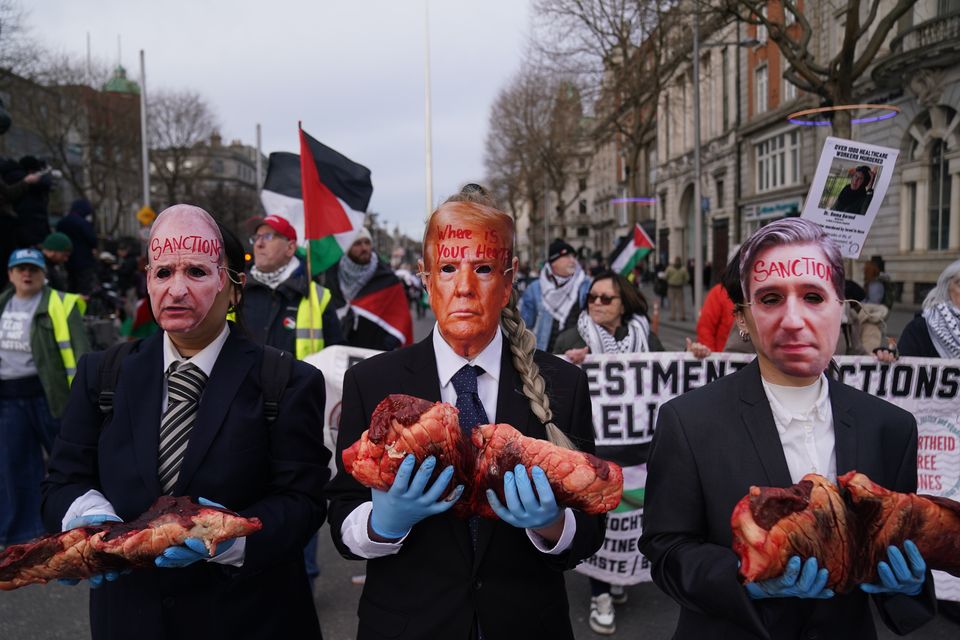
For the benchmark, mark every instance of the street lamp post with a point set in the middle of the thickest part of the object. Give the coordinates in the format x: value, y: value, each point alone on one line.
x: 697, y: 202
x: 697, y: 196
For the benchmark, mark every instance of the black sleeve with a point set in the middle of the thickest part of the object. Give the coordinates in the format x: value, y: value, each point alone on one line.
x: 332, y: 332
x: 74, y: 466
x: 915, y: 340
x: 344, y: 492
x: 590, y: 528
x: 699, y: 575
x: 294, y: 507
x: 904, y: 614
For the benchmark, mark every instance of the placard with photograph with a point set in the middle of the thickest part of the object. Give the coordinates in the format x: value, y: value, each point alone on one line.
x: 852, y: 178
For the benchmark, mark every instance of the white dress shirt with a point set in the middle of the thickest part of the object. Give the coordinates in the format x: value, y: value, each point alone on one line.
x: 354, y: 532
x: 95, y: 503
x: 804, y: 420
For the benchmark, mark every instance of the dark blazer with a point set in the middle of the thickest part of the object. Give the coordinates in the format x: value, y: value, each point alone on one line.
x: 710, y: 445
x: 275, y: 472
x: 435, y: 585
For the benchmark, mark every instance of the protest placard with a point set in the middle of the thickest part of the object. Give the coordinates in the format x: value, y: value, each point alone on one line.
x: 847, y: 190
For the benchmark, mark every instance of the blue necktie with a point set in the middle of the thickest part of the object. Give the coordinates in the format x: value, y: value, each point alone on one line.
x: 471, y: 414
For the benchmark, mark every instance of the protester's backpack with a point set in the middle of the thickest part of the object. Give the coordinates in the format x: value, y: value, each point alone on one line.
x: 275, y: 369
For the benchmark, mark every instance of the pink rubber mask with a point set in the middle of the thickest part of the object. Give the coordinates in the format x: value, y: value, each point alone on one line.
x: 185, y: 275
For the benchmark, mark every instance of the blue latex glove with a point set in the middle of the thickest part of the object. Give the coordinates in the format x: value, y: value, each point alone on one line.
x: 92, y: 521
x: 809, y: 583
x: 407, y: 502
x: 192, y: 550
x: 896, y: 577
x: 525, y: 508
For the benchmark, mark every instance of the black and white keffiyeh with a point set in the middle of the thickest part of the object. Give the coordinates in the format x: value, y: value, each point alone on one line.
x: 943, y: 321
x: 353, y: 277
x: 274, y: 278
x: 601, y: 341
x: 559, y: 295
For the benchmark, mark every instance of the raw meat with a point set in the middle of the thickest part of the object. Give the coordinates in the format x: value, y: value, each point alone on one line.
x: 403, y: 424
x: 889, y: 518
x: 808, y: 519
x: 848, y: 529
x: 116, y: 546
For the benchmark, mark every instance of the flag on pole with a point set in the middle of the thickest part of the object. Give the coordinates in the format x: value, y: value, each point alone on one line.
x: 322, y: 193
x: 630, y: 250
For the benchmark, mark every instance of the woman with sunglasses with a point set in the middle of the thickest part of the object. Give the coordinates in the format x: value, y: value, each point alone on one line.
x: 615, y: 321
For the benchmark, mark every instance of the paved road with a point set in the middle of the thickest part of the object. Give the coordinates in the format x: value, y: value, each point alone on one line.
x: 57, y: 612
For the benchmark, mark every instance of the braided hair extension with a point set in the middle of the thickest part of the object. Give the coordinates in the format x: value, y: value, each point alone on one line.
x: 522, y: 344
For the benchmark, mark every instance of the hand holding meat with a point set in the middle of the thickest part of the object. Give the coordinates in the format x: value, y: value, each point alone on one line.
x: 90, y: 521
x: 117, y: 546
x: 811, y: 582
x: 525, y: 508
x: 896, y: 577
x: 854, y: 531
x: 401, y: 425
x: 408, y: 502
x: 192, y: 550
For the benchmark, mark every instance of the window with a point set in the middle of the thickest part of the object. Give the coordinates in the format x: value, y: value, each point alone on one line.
x: 583, y: 207
x: 622, y: 214
x: 719, y: 194
x: 789, y: 17
x: 583, y: 232
x: 663, y: 205
x: 912, y: 199
x: 582, y: 184
x: 789, y: 91
x: 939, y: 196
x: 778, y: 160
x: 760, y: 87
x: 761, y: 28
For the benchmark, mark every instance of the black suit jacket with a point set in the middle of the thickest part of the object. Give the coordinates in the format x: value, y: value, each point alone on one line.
x: 274, y: 472
x: 435, y: 585
x: 710, y: 445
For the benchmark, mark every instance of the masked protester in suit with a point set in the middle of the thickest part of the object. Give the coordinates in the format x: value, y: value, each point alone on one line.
x: 429, y: 574
x: 769, y: 424
x: 113, y: 467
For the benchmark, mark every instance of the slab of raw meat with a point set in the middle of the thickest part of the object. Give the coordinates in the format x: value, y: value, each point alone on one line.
x: 809, y: 519
x: 116, y: 546
x: 402, y: 424
x: 889, y: 518
x: 848, y: 529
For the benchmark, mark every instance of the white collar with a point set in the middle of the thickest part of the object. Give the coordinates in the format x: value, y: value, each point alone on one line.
x: 205, y: 359
x: 449, y: 361
x: 819, y: 411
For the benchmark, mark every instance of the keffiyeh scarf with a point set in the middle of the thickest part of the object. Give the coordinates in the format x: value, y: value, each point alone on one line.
x: 601, y: 341
x: 943, y: 321
x: 559, y: 295
x: 274, y: 278
x: 353, y: 277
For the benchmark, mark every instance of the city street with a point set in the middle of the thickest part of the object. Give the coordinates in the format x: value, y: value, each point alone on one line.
x: 55, y: 612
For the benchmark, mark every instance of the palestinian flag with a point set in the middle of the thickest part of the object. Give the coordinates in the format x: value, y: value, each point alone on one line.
x: 630, y: 250
x: 383, y: 301
x: 322, y: 193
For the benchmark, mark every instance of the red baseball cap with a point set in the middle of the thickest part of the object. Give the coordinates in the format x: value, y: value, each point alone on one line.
x: 280, y: 225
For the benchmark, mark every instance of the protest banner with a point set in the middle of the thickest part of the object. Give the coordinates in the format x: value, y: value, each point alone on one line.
x: 627, y: 391
x: 847, y: 190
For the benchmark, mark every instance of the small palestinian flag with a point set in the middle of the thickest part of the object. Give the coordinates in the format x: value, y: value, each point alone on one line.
x: 630, y: 250
x: 383, y: 301
x: 322, y: 193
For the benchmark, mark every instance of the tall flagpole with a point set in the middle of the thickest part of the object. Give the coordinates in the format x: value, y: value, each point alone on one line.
x: 144, y: 153
x: 428, y: 141
x: 310, y: 285
x: 259, y: 163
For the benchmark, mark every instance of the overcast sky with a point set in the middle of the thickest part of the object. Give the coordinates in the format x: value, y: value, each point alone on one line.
x: 351, y: 70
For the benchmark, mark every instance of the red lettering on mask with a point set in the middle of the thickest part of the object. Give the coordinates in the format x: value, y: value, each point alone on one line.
x: 797, y: 268
x: 195, y: 244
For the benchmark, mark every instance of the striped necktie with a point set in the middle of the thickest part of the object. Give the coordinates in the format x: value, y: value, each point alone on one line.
x: 185, y: 382
x: 471, y: 415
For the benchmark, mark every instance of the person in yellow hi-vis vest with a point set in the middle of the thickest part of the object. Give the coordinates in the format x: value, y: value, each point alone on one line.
x: 283, y: 309
x: 41, y: 338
